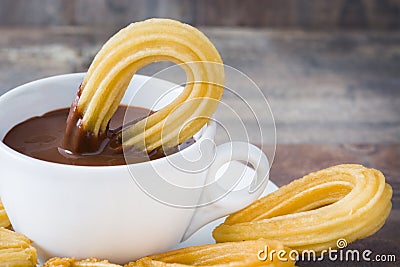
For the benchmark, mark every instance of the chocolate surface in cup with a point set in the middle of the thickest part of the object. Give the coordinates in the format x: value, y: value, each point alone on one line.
x: 41, y: 137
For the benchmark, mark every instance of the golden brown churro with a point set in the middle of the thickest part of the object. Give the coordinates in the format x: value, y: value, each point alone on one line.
x: 227, y: 254
x: 237, y: 254
x: 71, y: 262
x: 15, y: 250
x: 345, y: 201
x: 108, y: 76
x: 4, y: 221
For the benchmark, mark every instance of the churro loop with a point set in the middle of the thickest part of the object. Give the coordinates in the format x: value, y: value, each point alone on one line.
x: 344, y: 201
x: 4, y: 221
x: 240, y: 254
x: 15, y: 250
x: 133, y: 47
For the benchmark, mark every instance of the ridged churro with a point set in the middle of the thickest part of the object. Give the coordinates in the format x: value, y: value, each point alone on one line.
x: 345, y: 201
x: 15, y: 250
x: 237, y: 254
x: 4, y: 221
x: 71, y: 262
x: 122, y: 55
x: 234, y: 254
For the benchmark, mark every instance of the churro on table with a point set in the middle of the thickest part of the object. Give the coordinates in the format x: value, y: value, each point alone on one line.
x: 237, y: 254
x: 4, y: 221
x: 16, y: 250
x: 342, y: 202
x: 244, y: 253
x: 71, y: 262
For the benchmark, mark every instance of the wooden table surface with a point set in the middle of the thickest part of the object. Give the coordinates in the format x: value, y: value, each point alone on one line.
x: 335, y: 96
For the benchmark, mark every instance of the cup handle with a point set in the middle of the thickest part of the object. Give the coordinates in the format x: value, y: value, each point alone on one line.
x: 230, y: 201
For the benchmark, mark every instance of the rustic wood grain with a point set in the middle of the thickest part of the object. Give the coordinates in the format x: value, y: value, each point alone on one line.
x: 295, y: 14
x: 322, y: 87
x: 42, y: 12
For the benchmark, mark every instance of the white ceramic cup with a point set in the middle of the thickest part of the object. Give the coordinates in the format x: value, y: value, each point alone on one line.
x: 104, y: 212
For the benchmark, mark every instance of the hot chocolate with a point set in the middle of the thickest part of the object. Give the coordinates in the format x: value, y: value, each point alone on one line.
x: 42, y: 138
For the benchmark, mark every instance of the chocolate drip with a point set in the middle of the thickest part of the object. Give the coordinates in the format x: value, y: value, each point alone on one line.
x: 76, y: 139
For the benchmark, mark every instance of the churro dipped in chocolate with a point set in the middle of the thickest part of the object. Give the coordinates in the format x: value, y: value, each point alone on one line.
x: 106, y: 81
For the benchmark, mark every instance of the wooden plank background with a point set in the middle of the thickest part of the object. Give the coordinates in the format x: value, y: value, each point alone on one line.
x: 323, y: 87
x: 298, y: 14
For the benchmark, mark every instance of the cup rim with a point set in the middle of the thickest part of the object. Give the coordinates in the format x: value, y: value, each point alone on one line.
x: 207, y: 132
